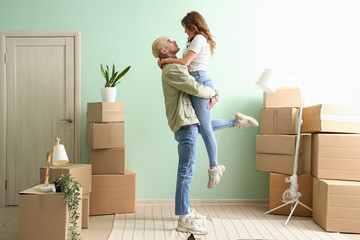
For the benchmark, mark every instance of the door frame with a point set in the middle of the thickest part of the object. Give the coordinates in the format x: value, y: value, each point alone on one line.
x: 77, y: 85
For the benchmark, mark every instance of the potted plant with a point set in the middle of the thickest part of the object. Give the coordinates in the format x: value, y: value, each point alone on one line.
x: 71, y: 190
x: 108, y: 93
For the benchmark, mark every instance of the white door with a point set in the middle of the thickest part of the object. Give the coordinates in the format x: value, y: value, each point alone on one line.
x: 39, y: 106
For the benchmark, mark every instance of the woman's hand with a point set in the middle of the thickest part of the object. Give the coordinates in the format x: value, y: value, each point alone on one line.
x: 213, y: 100
x: 159, y: 63
x: 162, y: 62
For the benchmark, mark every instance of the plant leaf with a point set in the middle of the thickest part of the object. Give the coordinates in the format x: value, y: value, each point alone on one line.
x: 121, y: 75
x: 102, y: 71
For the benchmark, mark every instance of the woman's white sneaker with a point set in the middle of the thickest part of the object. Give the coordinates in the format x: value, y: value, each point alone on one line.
x: 192, y: 226
x: 243, y: 120
x: 215, y: 175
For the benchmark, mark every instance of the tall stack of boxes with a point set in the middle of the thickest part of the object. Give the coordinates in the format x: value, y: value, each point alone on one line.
x: 275, y: 148
x: 335, y: 165
x: 113, y: 186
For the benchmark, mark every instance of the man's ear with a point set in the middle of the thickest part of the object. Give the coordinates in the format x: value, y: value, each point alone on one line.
x: 164, y: 51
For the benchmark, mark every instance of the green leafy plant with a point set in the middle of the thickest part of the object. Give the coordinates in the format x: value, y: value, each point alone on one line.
x: 72, y: 197
x: 114, y: 79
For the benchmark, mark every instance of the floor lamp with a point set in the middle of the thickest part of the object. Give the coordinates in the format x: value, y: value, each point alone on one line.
x: 269, y: 82
x: 59, y: 156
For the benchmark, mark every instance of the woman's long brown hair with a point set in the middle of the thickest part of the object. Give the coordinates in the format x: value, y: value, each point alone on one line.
x: 193, y: 21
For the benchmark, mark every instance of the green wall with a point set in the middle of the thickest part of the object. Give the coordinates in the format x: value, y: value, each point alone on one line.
x: 250, y: 36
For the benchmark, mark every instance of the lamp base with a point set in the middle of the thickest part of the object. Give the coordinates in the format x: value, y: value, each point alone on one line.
x: 47, y: 188
x: 292, y: 209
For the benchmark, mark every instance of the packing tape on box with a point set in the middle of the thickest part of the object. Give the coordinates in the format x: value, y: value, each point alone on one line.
x: 276, y: 113
x: 340, y: 118
x: 108, y: 135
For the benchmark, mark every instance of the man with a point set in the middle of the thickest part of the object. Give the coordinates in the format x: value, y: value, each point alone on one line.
x: 178, y: 85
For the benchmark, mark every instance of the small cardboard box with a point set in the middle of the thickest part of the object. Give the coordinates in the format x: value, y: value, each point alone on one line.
x: 276, y: 153
x: 282, y: 98
x: 278, y: 187
x: 336, y: 156
x: 108, y: 161
x: 105, y: 112
x: 80, y: 172
x: 105, y: 135
x: 43, y: 216
x: 278, y: 120
x: 331, y: 118
x: 85, y: 210
x: 336, y: 205
x: 113, y: 193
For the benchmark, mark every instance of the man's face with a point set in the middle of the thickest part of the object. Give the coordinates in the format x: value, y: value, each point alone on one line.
x: 171, y: 46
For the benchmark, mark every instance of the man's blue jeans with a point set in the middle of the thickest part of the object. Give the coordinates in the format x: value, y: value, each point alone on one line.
x: 208, y: 126
x: 187, y: 137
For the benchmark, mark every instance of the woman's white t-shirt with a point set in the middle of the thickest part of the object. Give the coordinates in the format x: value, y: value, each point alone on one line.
x: 201, y: 47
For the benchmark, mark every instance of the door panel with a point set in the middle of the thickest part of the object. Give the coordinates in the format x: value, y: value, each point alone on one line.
x: 40, y: 92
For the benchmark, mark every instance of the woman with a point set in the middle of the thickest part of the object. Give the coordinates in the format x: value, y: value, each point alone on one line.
x: 200, y: 46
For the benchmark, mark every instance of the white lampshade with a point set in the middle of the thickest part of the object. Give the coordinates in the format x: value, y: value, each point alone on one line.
x: 59, y: 155
x: 268, y: 81
x: 281, y: 76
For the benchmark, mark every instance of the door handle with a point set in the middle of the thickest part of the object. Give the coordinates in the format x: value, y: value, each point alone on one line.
x: 69, y: 120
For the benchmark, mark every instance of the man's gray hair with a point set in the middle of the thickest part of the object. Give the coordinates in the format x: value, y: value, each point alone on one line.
x: 157, y: 45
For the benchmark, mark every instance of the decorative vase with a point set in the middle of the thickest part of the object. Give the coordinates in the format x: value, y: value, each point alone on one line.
x: 57, y: 186
x: 108, y: 94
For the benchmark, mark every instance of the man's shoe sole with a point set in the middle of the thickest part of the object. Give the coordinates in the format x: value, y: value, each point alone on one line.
x: 180, y: 229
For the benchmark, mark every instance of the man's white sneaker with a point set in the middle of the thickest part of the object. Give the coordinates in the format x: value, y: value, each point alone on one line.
x: 214, y: 175
x: 243, y: 120
x: 194, y: 214
x: 192, y: 226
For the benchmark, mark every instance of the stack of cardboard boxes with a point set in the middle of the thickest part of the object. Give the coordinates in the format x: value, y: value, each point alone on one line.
x: 331, y: 154
x: 82, y: 174
x: 275, y: 148
x: 49, y: 209
x: 335, y: 166
x: 113, y: 186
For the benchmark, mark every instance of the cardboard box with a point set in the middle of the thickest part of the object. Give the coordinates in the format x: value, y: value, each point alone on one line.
x: 278, y: 120
x: 80, y: 172
x: 283, y: 144
x: 43, y: 216
x: 105, y: 112
x: 276, y: 153
x: 331, y: 118
x: 113, y: 193
x: 282, y: 98
x: 105, y: 135
x: 278, y: 187
x: 85, y: 210
x: 281, y: 164
x: 336, y: 205
x: 336, y: 156
x: 104, y: 161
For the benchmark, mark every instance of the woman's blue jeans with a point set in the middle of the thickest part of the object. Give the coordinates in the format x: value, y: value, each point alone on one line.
x: 208, y: 126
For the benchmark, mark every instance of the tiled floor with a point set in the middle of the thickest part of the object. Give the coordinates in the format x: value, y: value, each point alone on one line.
x: 99, y: 226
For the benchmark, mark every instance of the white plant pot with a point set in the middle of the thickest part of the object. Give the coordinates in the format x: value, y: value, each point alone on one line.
x: 108, y: 94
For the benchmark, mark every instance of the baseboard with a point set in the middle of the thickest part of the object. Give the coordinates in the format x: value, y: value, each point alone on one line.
x: 204, y: 201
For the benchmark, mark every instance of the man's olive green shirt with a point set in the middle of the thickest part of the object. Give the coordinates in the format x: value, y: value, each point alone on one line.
x: 178, y: 85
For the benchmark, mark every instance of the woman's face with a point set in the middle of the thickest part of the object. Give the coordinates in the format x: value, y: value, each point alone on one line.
x: 190, y: 33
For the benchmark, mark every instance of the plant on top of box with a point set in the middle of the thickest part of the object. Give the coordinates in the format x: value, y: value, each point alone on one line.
x: 108, y: 93
x: 71, y: 190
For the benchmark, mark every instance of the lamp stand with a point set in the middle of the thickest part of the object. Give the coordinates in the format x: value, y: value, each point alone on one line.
x: 291, y: 195
x: 46, y: 187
